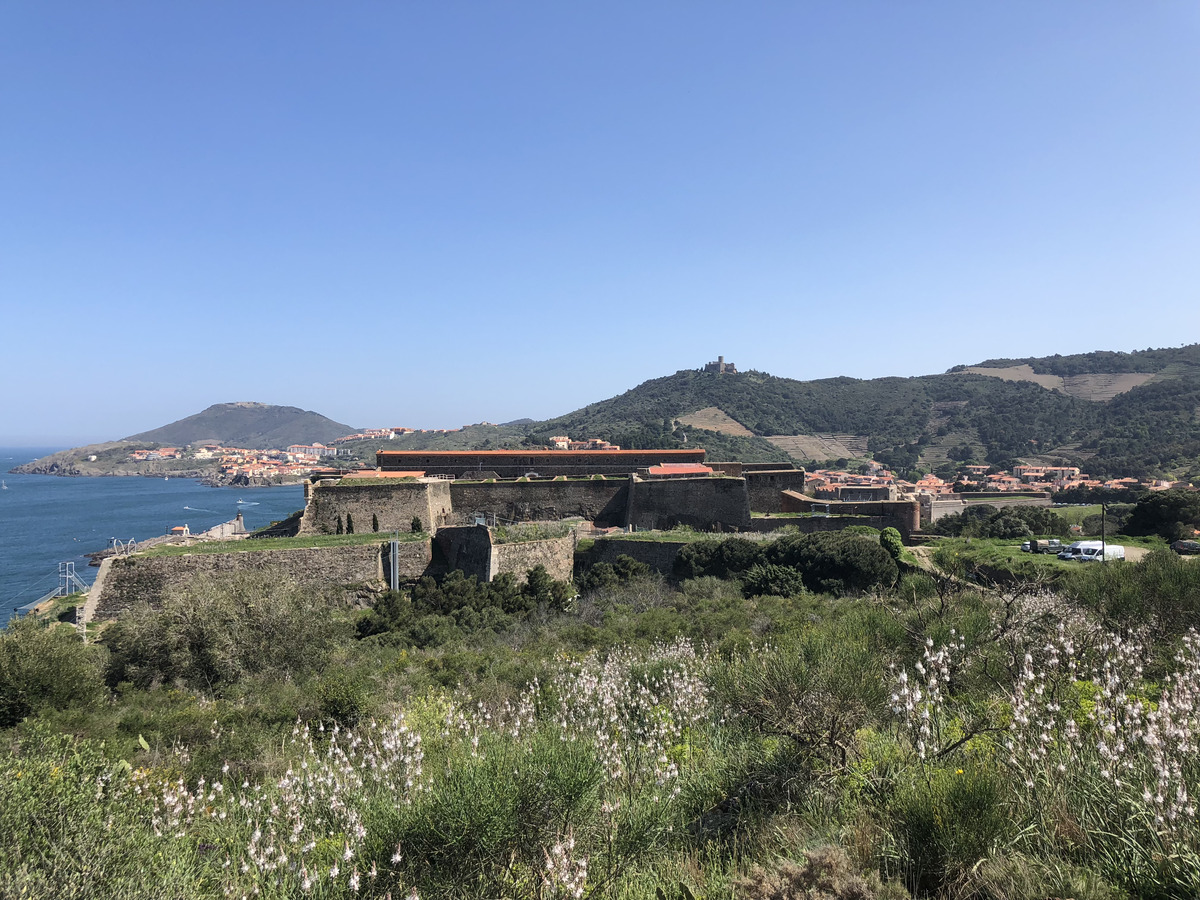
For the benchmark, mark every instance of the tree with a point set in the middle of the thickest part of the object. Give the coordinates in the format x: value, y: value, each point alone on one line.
x: 43, y: 666
x: 375, y: 523
x: 349, y: 524
x: 890, y: 540
x: 836, y: 563
x: 1172, y: 514
x: 416, y: 525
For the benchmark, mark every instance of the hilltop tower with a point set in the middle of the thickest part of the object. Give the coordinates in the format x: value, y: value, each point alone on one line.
x: 720, y: 367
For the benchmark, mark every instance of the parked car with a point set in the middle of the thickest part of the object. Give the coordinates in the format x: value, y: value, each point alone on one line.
x: 1054, y: 545
x: 1025, y: 547
x: 1186, y: 547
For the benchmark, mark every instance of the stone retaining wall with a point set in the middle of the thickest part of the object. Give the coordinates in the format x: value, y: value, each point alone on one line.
x: 703, y: 503
x: 135, y: 578
x: 658, y: 555
x: 602, y: 501
x: 393, y: 504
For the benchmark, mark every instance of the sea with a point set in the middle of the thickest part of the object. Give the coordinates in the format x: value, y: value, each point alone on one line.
x: 46, y: 520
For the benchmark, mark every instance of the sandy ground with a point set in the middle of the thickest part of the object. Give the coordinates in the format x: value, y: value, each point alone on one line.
x: 714, y: 419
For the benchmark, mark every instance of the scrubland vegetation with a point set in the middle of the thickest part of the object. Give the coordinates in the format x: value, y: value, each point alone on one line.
x: 810, y: 717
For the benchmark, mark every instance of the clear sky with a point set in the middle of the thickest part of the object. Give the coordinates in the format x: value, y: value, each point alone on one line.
x: 431, y: 214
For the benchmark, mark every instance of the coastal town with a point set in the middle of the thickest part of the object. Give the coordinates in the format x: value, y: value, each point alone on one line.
x: 868, y: 481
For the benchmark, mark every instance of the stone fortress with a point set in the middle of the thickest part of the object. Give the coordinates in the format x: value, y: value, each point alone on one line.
x: 458, y: 497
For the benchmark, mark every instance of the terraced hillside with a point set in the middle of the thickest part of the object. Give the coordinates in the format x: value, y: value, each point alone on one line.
x: 1121, y: 413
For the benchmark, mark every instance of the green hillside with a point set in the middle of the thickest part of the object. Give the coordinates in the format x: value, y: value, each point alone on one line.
x: 1151, y: 428
x: 1107, y: 362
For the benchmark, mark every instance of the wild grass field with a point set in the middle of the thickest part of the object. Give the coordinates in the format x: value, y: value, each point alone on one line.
x: 734, y: 732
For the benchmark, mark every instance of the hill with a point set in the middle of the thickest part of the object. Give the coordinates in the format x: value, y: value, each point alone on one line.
x: 255, y: 425
x: 1113, y: 413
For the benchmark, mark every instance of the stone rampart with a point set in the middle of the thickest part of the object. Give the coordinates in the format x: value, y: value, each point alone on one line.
x: 517, y: 463
x: 600, y: 500
x: 134, y: 578
x: 903, y: 515
x: 391, y: 504
x: 658, y: 555
x: 471, y: 549
x: 766, y: 487
x: 933, y: 509
x: 556, y: 554
x: 467, y: 548
x: 706, y: 503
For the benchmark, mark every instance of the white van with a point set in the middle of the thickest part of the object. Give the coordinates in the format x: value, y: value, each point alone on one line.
x: 1108, y: 551
x: 1075, y: 550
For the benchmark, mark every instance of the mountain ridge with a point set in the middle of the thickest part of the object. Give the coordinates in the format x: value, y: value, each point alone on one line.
x: 1139, y: 414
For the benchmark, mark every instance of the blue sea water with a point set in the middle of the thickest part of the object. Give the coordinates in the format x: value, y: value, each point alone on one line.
x: 45, y: 519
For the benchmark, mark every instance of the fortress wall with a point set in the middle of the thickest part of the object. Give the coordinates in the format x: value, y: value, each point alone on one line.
x: 903, y: 515
x: 704, y: 503
x: 394, y: 504
x: 470, y: 549
x: 135, y: 578
x: 516, y: 463
x: 765, y: 487
x: 466, y: 547
x: 556, y: 554
x: 933, y: 509
x: 603, y: 501
x: 658, y: 555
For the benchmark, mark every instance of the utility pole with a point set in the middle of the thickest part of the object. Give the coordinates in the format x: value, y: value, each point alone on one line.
x: 1103, y: 536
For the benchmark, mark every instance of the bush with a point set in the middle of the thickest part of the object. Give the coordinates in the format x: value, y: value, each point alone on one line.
x: 416, y: 525
x: 945, y: 824
x: 779, y: 581
x: 890, y: 540
x: 826, y: 874
x: 220, y: 631
x: 603, y: 576
x: 45, y: 667
x: 836, y: 563
x: 341, y: 699
x: 1160, y: 590
x: 727, y: 558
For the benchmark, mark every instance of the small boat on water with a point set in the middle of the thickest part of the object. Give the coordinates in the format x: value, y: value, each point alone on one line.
x: 3, y: 486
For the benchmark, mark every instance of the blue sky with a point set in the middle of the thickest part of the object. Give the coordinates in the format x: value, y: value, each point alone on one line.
x: 440, y: 213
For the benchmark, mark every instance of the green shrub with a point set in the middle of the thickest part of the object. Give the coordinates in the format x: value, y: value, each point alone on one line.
x: 341, y: 699
x: 835, y: 562
x: 220, y: 630
x: 72, y: 828
x: 726, y: 558
x: 780, y: 581
x: 946, y: 823
x: 890, y: 540
x: 45, y: 667
x: 826, y: 874
x: 623, y: 571
x: 494, y: 815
